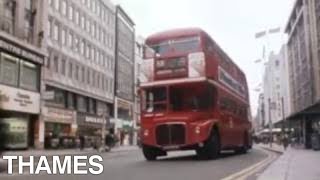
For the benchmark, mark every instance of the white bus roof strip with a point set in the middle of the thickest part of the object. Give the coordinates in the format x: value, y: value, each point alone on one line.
x: 175, y: 81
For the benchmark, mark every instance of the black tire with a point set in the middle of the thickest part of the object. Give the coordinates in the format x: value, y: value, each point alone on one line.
x: 245, y: 147
x: 211, y: 148
x: 149, y: 153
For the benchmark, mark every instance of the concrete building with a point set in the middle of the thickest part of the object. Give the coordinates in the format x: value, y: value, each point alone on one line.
x: 21, y: 57
x: 303, y: 45
x: 78, y: 74
x: 124, y: 77
x: 271, y: 87
x: 139, y: 50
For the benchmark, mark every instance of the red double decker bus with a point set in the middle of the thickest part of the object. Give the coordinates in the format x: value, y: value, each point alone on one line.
x: 193, y: 96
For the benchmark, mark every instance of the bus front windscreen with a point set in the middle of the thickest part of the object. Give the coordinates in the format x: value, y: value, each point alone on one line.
x: 154, y: 99
x: 181, y: 45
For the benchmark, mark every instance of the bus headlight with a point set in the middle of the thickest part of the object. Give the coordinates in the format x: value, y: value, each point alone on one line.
x: 160, y: 63
x: 197, y: 130
x: 146, y: 132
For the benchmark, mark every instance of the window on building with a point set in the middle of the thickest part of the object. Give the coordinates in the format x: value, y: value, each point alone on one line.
x: 102, y: 12
x: 88, y: 25
x: 56, y: 64
x: 88, y: 4
x: 71, y: 100
x: 49, y: 28
x: 70, y: 37
x: 98, y: 56
x: 70, y: 12
x: 63, y: 67
x: 93, y: 54
x: 70, y: 72
x: 88, y: 51
x: 57, y: 4
x: 28, y: 21
x: 83, y: 74
x: 82, y: 22
x: 88, y: 76
x: 64, y: 7
x: 92, y: 105
x: 29, y: 76
x: 81, y: 104
x: 77, y: 17
x: 77, y: 72
x: 98, y: 8
x: 9, y: 70
x: 59, y: 96
x: 55, y: 32
x: 93, y: 29
x: 63, y: 37
x: 76, y: 44
x: 82, y: 47
x: 93, y: 6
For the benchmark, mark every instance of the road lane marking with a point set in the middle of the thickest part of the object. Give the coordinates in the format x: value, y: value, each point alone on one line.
x: 251, y: 169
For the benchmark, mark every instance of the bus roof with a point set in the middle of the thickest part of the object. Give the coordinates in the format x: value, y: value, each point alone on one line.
x: 173, y: 33
x: 185, y: 32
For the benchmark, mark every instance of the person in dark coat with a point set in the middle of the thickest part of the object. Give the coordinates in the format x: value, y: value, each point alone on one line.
x: 285, y: 141
x: 82, y: 140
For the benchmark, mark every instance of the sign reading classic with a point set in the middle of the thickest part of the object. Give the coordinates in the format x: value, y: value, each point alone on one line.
x: 19, y: 100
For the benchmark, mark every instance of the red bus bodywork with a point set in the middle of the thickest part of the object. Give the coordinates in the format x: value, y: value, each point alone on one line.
x: 190, y: 89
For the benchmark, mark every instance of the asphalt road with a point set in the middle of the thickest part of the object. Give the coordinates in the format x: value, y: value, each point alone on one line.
x: 131, y: 165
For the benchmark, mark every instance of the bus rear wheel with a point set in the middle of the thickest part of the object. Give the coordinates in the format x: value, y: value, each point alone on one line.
x: 245, y: 147
x: 211, y: 148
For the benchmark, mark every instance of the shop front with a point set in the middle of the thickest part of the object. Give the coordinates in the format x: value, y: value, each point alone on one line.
x: 123, y: 121
x: 19, y: 115
x: 60, y: 128
x: 90, y: 128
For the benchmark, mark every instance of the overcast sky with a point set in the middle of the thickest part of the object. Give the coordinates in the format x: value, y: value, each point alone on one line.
x: 231, y: 23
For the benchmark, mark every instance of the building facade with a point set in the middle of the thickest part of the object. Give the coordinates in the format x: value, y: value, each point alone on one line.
x: 21, y: 57
x: 124, y: 76
x: 303, y: 31
x: 139, y: 53
x: 276, y: 96
x: 78, y: 74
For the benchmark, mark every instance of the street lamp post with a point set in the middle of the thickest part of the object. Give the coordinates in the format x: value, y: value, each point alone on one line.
x: 270, y: 122
x: 259, y: 35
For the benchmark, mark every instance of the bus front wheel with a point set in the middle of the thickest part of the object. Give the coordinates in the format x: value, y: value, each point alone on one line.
x: 211, y: 148
x: 149, y: 153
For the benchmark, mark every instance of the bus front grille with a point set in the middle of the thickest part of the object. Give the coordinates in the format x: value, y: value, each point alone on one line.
x: 170, y: 134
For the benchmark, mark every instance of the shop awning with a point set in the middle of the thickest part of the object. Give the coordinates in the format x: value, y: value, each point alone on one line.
x: 313, y: 110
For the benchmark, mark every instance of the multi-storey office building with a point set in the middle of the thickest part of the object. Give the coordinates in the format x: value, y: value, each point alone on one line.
x: 21, y: 58
x: 276, y: 91
x: 124, y: 74
x: 79, y: 70
x: 303, y: 45
x: 139, y: 50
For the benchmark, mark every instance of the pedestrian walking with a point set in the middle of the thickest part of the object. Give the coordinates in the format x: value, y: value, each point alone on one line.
x: 82, y: 141
x: 285, y: 141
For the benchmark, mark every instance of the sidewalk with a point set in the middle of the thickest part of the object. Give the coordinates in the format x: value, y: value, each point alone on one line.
x: 58, y: 152
x: 294, y: 164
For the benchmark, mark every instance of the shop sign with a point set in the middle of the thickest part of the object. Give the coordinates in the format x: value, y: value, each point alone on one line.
x: 52, y: 114
x: 123, y: 104
x: 96, y: 120
x: 19, y: 51
x: 19, y: 100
